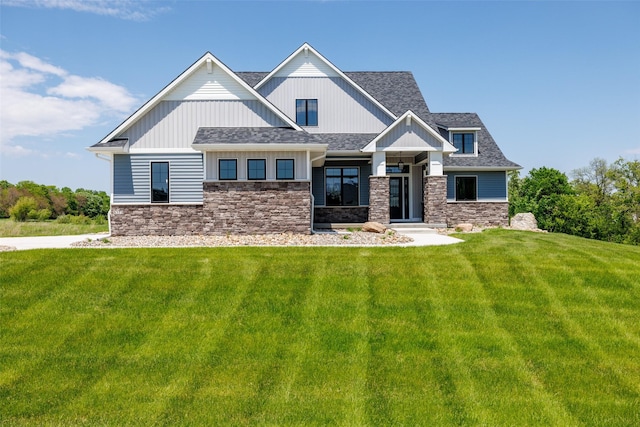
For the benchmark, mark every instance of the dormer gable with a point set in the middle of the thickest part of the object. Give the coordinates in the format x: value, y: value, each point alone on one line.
x: 308, y: 62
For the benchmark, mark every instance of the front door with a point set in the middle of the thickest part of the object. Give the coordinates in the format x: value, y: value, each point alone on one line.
x: 399, y: 197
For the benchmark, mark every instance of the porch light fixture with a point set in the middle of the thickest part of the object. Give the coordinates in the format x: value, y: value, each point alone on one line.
x: 400, y: 164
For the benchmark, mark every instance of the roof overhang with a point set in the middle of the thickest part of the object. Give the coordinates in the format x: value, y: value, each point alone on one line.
x: 260, y: 147
x: 118, y: 146
x: 481, y: 168
x: 407, y: 118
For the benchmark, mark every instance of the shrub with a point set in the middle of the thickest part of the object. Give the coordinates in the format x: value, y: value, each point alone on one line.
x: 20, y: 211
x: 39, y: 214
x: 64, y: 219
x: 80, y: 219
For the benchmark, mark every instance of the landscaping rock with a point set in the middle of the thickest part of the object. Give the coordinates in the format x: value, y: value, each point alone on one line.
x: 524, y: 221
x: 374, y: 227
x: 464, y: 227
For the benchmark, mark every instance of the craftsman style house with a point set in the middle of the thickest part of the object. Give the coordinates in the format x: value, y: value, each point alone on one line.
x: 219, y: 152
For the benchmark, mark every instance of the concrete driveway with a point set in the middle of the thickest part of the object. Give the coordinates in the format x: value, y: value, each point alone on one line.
x: 46, y: 242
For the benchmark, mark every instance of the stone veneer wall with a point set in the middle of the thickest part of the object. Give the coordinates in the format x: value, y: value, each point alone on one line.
x: 379, y: 199
x: 478, y: 213
x: 156, y: 220
x: 234, y: 207
x: 257, y: 207
x: 435, y: 199
x: 342, y: 214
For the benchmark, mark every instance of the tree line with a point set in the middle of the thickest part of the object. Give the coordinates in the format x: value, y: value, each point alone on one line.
x: 27, y: 200
x: 601, y: 201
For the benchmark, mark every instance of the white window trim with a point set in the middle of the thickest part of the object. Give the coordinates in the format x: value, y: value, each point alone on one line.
x: 475, y: 141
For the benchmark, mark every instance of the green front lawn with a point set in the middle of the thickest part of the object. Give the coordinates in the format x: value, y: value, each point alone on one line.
x: 509, y: 328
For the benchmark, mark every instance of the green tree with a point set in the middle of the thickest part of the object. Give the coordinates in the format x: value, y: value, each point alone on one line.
x: 539, y: 193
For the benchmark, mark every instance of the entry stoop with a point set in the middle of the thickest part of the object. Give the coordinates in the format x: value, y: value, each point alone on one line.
x: 413, y: 228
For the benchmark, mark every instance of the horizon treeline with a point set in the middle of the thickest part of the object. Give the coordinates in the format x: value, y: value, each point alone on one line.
x: 28, y: 200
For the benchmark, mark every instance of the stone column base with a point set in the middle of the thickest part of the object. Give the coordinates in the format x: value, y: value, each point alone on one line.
x: 379, y: 199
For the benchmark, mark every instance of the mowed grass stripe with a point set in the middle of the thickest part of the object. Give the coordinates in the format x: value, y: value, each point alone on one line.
x: 507, y: 328
x: 562, y: 355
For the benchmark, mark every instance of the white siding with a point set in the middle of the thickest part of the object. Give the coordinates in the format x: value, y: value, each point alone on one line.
x: 202, y: 85
x: 408, y: 136
x: 306, y: 66
x: 299, y: 157
x: 132, y: 177
x: 341, y: 108
x: 173, y: 124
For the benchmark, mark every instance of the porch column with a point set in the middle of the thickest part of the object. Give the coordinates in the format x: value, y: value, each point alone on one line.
x: 379, y: 199
x: 435, y: 200
x: 379, y: 163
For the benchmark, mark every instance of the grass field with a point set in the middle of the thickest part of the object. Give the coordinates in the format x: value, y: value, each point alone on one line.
x: 11, y: 228
x: 509, y: 328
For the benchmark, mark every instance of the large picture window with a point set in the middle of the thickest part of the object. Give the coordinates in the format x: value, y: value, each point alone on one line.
x: 466, y: 188
x: 256, y: 169
x: 342, y: 186
x: 464, y: 142
x: 228, y: 169
x: 160, y: 182
x: 284, y: 169
x: 307, y: 112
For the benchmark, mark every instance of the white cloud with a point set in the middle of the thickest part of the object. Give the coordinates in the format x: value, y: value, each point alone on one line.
x: 132, y: 10
x: 15, y: 150
x: 632, y: 151
x: 43, y: 100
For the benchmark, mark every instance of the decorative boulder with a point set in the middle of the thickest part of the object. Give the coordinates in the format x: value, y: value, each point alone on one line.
x: 374, y: 227
x: 464, y: 227
x: 524, y: 221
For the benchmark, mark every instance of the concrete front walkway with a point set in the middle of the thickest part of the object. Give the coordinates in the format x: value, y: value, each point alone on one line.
x: 47, y: 242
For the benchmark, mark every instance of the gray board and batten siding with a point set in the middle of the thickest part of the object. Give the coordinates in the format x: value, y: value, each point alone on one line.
x: 491, y: 186
x: 341, y: 108
x: 174, y: 124
x: 132, y: 178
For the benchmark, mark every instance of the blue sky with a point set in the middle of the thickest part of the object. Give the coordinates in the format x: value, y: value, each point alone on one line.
x: 556, y: 83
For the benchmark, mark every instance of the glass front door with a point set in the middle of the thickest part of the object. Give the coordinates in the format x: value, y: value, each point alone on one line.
x: 399, y: 197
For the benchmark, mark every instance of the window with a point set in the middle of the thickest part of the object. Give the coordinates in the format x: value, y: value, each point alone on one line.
x: 466, y: 188
x: 256, y: 169
x: 464, y: 142
x: 307, y: 112
x: 342, y: 186
x: 160, y: 182
x: 284, y: 169
x: 228, y: 169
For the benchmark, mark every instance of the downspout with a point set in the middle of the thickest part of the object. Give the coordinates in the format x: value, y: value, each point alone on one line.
x: 108, y: 159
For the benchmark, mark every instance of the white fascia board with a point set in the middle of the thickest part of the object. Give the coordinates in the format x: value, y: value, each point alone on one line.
x: 408, y: 149
x: 260, y: 147
x: 162, y: 151
x: 459, y: 129
x: 330, y: 65
x: 446, y: 145
x: 146, y: 107
x: 480, y: 168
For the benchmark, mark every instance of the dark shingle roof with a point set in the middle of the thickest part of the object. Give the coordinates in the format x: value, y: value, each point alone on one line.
x: 345, y: 141
x: 489, y: 154
x: 252, y: 78
x: 253, y: 135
